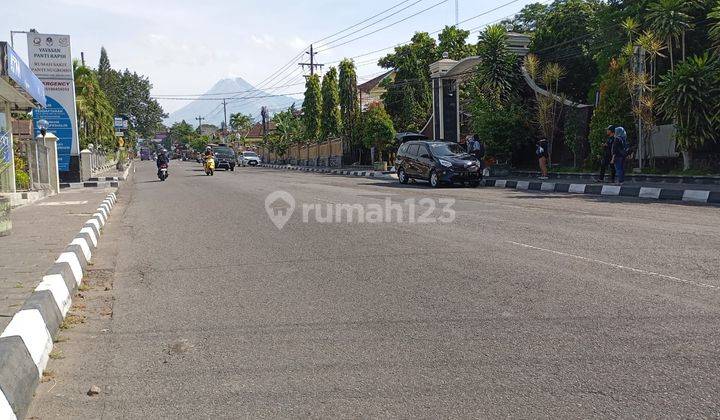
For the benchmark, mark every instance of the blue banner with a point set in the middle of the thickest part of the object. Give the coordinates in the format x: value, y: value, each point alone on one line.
x: 60, y: 126
x: 18, y: 71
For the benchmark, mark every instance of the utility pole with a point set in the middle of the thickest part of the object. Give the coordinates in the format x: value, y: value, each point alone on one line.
x: 457, y: 13
x: 312, y: 63
x: 200, y: 119
x: 225, y: 117
x: 82, y: 58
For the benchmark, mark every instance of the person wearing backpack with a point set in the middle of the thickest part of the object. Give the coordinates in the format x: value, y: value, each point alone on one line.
x: 607, y: 155
x: 543, y: 155
x: 620, y: 150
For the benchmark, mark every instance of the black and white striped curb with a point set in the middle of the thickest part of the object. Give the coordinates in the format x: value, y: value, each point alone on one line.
x: 27, y: 341
x: 365, y: 174
x: 89, y: 184
x: 98, y: 182
x: 652, y: 193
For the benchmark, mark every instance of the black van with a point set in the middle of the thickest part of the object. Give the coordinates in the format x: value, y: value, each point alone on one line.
x: 437, y: 162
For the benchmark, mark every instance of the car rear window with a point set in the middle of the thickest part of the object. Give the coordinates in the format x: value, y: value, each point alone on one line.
x: 413, y: 150
x: 224, y: 151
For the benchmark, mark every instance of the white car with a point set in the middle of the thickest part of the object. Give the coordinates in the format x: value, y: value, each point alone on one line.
x: 249, y: 158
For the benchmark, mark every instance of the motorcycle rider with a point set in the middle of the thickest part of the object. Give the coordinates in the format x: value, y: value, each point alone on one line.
x: 162, y: 159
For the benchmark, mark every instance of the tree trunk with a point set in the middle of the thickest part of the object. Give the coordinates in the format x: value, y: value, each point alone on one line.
x: 687, y: 160
x: 672, y: 60
x: 683, y: 45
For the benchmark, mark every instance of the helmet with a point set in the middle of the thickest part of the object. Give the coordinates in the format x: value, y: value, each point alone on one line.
x: 611, y: 128
x: 208, y: 148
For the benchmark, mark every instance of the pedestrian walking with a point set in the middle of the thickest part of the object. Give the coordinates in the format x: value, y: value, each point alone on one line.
x: 620, y: 150
x: 607, y: 155
x: 543, y: 156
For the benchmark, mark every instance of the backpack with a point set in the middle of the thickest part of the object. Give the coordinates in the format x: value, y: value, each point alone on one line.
x: 539, y: 151
x: 624, y: 148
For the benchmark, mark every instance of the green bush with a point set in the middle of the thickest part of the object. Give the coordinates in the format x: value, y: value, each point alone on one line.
x: 614, y: 109
x: 22, y: 178
x: 505, y: 130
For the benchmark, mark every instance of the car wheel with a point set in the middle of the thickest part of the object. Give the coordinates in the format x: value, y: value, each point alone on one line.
x: 434, y: 179
x: 402, y: 176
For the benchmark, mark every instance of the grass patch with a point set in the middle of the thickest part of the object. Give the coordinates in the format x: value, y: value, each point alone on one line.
x: 47, y: 376
x: 71, y: 320
x: 60, y: 339
x: 56, y: 355
x: 84, y: 287
x: 18, y: 285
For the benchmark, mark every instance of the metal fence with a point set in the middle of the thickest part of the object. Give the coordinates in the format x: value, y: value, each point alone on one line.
x: 36, y: 155
x: 5, y: 163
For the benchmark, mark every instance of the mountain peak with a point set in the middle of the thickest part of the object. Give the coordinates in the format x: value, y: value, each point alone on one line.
x: 236, y: 90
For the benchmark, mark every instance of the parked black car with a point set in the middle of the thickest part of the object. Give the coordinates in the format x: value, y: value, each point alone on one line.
x: 437, y: 162
x: 225, y: 157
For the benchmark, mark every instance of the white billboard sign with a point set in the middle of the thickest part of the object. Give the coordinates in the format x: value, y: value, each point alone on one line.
x: 50, y: 59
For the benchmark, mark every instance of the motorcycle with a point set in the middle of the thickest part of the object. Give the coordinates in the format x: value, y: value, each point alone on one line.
x: 163, y: 172
x: 209, y: 166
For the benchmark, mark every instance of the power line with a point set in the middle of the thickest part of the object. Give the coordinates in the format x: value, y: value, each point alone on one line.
x: 329, y: 44
x: 388, y: 26
x: 361, y: 22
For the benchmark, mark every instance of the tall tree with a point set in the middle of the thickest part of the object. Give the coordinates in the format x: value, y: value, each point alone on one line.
x: 349, y: 102
x: 497, y: 72
x: 527, y: 19
x: 312, y: 108
x: 669, y: 20
x: 182, y: 133
x: 715, y: 28
x: 95, y: 113
x: 108, y: 78
x: 330, y: 125
x: 689, y: 96
x: 562, y: 37
x: 454, y: 42
x: 408, y: 98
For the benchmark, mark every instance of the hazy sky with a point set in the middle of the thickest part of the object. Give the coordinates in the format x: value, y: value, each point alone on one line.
x: 185, y: 46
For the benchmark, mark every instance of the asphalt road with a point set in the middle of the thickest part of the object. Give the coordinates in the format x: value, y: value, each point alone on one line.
x: 526, y: 305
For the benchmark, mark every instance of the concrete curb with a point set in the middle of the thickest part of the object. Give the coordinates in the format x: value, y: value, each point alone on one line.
x: 27, y: 341
x: 345, y: 172
x: 688, y: 196
x: 101, y: 182
x: 660, y: 194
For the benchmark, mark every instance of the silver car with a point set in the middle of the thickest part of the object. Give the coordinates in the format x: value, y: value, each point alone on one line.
x: 250, y: 158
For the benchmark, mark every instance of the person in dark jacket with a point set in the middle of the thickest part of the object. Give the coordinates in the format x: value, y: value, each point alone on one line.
x: 620, y: 150
x: 607, y: 155
x: 162, y: 159
x: 476, y: 147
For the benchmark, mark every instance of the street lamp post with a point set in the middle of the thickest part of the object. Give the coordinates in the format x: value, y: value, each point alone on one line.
x: 43, y: 125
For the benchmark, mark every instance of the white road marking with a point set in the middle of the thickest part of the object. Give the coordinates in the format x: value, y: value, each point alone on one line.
x: 64, y: 203
x: 618, y: 266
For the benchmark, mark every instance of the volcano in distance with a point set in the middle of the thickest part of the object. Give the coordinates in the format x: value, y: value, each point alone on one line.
x: 242, y: 97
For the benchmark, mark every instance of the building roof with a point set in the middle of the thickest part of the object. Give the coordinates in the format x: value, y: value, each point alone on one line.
x: 371, y: 84
x: 256, y: 131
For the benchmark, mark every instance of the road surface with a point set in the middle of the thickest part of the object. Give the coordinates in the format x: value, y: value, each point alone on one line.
x: 526, y: 305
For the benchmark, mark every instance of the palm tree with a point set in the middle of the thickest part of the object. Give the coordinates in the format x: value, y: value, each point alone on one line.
x: 670, y: 20
x: 496, y: 71
x: 95, y: 113
x: 715, y: 28
x: 690, y: 97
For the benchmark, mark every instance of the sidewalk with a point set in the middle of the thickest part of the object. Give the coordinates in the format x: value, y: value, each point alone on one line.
x: 41, y: 231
